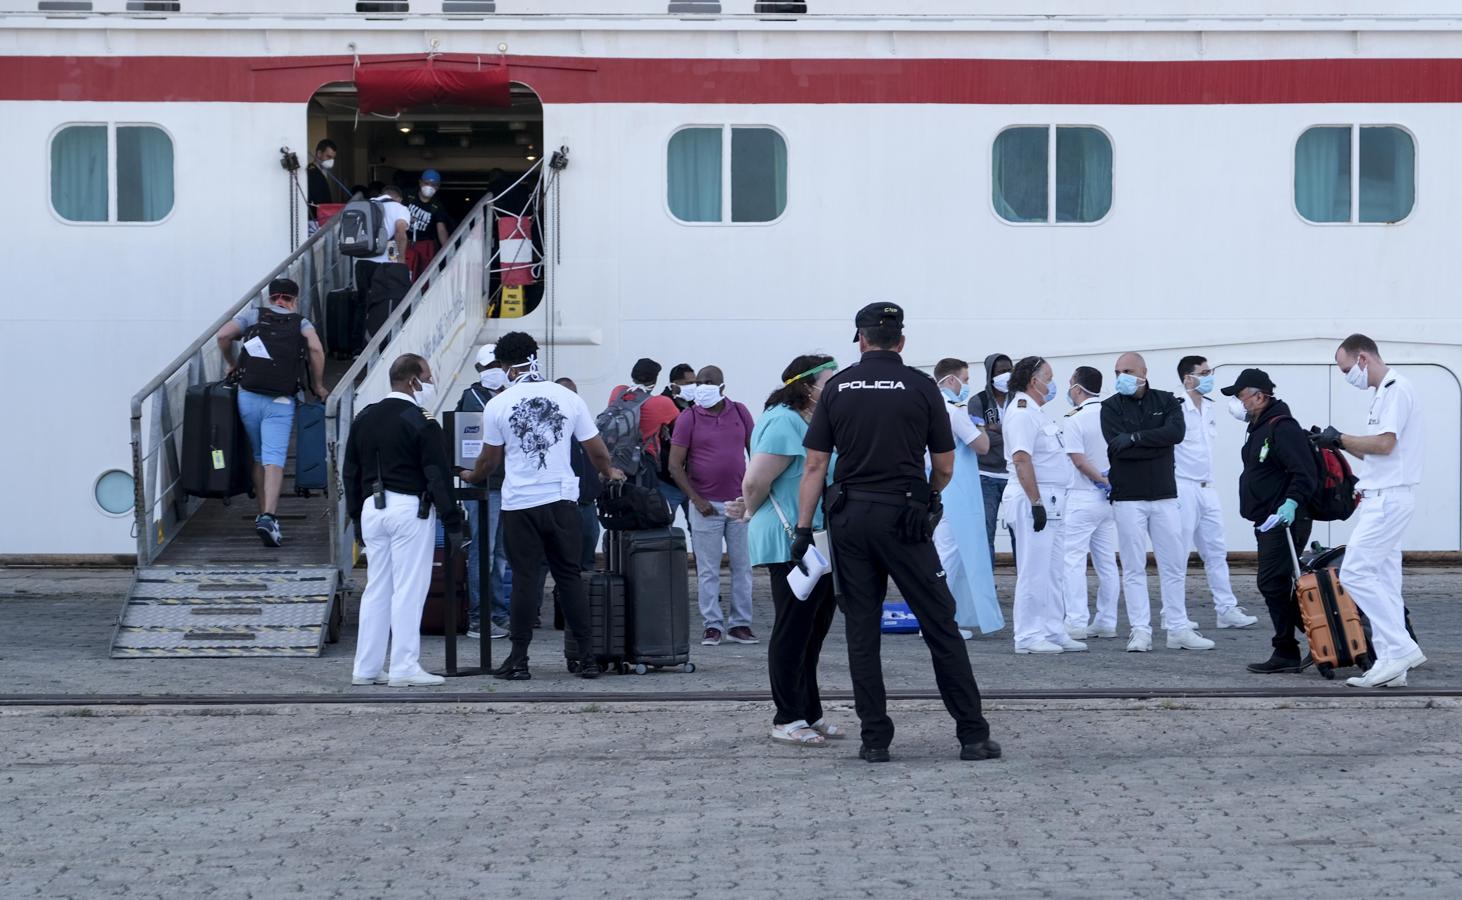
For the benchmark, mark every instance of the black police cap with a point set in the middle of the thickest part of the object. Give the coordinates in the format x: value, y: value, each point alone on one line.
x: 879, y: 315
x: 285, y: 286
x: 1250, y: 378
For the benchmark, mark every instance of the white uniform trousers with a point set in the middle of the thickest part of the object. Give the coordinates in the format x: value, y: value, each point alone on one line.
x: 1159, y: 521
x: 1203, y: 531
x: 1371, y: 571
x: 1040, y: 569
x: 1091, y: 527
x: 399, y: 556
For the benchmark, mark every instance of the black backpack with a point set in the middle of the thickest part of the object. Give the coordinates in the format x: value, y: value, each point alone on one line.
x: 363, y: 229
x: 1335, y: 498
x: 281, y: 373
x: 631, y: 507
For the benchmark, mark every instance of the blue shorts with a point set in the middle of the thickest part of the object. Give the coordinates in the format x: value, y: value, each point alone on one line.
x: 268, y: 421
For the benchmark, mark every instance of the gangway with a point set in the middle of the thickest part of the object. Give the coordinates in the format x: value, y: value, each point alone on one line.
x: 204, y: 584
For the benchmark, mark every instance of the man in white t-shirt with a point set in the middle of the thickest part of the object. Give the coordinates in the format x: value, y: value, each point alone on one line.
x: 530, y: 427
x: 1391, y: 458
x: 384, y: 280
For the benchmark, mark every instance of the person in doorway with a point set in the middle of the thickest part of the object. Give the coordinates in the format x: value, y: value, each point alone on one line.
x: 960, y: 535
x: 397, y: 480
x: 1198, y: 503
x: 768, y: 506
x: 428, y: 229
x: 317, y: 180
x: 491, y: 380
x: 682, y: 377
x: 1278, y: 480
x: 1091, y: 525
x: 282, y: 356
x: 1391, y: 463
x: 712, y: 439
x: 1141, y: 427
x: 989, y: 406
x: 531, y: 426
x: 657, y: 415
x: 384, y: 280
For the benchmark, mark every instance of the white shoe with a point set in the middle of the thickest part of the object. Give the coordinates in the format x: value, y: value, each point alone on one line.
x: 1096, y: 631
x: 1141, y: 642
x: 1038, y: 647
x: 1188, y: 639
x: 1235, y: 618
x: 420, y: 679
x: 1385, y: 671
x: 379, y: 678
x: 966, y: 634
x: 1068, y: 645
x: 1077, y: 632
x: 1192, y: 624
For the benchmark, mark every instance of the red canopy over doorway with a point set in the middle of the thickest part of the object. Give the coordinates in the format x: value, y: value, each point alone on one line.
x: 394, y: 88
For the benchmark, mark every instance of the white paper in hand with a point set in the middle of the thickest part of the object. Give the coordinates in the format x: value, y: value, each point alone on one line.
x: 256, y: 348
x: 1270, y: 522
x: 817, y: 566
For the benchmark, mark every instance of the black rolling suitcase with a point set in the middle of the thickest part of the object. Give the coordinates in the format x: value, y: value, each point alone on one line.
x: 217, y: 461
x: 344, y: 324
x: 658, y: 582
x: 607, y: 620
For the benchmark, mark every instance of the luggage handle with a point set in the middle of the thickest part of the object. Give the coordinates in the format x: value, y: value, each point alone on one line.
x: 1293, y: 554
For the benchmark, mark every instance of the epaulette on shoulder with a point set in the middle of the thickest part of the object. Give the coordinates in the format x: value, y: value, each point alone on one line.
x: 1074, y: 411
x: 1020, y: 403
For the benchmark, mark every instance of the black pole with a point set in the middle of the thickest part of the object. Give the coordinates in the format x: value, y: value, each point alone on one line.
x: 484, y: 550
x: 449, y: 604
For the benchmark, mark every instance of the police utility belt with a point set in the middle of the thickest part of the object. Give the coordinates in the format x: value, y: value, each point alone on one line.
x: 379, y: 492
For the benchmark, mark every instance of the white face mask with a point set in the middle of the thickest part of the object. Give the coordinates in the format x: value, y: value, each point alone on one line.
x: 326, y: 163
x: 427, y: 191
x: 1357, y: 377
x: 426, y: 394
x: 530, y: 373
x: 493, y: 379
x: 1236, y: 409
x: 708, y: 395
x: 1002, y: 382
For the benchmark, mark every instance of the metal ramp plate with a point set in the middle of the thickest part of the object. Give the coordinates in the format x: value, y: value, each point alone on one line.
x: 208, y: 611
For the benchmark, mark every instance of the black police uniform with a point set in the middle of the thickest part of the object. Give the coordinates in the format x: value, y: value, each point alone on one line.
x: 880, y: 415
x: 399, y: 444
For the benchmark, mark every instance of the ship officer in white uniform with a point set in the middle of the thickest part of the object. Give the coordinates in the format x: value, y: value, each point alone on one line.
x: 1198, y: 504
x: 1091, y: 526
x: 1391, y: 458
x: 1035, y: 506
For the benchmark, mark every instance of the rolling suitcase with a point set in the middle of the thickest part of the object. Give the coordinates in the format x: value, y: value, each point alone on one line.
x: 343, y: 335
x: 1330, y: 618
x: 607, y: 620
x: 658, y: 582
x: 433, y: 614
x: 217, y: 460
x: 309, y: 448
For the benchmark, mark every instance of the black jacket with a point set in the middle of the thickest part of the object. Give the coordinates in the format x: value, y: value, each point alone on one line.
x: 988, y: 408
x: 400, y: 442
x: 1283, y: 471
x: 1141, y: 433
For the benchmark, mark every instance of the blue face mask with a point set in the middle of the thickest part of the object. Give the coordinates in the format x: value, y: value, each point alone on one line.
x: 1050, y: 392
x: 962, y: 397
x: 1205, y: 385
x: 1127, y: 384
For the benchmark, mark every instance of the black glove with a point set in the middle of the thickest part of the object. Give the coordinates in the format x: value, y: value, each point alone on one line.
x: 936, y: 511
x: 801, y: 540
x: 1038, y: 518
x: 915, y: 522
x: 1329, y: 439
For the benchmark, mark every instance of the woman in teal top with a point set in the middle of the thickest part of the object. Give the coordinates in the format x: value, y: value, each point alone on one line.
x: 772, y: 477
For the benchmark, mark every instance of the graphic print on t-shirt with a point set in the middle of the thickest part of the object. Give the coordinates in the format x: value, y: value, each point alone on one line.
x: 537, y: 423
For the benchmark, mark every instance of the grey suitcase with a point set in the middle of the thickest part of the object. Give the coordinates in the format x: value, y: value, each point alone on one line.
x: 658, y: 587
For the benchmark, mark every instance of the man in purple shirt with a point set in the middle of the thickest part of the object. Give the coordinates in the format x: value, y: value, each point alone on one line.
x: 708, y: 451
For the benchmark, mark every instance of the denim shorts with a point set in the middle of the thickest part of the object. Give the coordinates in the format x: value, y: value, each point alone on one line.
x: 268, y: 421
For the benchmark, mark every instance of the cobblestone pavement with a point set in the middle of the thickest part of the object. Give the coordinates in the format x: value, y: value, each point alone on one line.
x: 691, y: 800
x: 56, y: 629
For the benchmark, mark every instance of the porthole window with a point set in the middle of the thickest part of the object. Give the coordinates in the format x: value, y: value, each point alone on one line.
x: 726, y: 174
x: 1330, y: 189
x: 1027, y: 189
x: 111, y: 173
x: 114, y: 492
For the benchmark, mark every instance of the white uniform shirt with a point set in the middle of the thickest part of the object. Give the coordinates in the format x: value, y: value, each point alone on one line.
x: 1027, y: 428
x: 1083, y: 434
x: 392, y: 212
x: 535, y: 422
x: 965, y: 430
x: 1394, y: 410
x: 1193, y: 458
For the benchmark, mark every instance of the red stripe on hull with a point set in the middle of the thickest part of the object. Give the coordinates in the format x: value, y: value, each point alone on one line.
x: 959, y: 81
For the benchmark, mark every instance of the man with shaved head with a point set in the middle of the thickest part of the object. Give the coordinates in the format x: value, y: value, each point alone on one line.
x: 1141, y: 427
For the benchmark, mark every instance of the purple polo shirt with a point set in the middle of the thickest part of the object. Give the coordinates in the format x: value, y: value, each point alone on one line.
x: 715, y: 446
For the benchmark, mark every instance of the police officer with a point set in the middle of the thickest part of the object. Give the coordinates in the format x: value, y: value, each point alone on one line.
x: 881, y: 415
x: 1091, y: 526
x: 397, y: 482
x: 1391, y: 457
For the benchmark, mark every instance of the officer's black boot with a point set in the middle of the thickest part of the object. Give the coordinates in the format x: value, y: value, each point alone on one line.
x: 873, y: 754
x: 986, y: 749
x: 515, y: 667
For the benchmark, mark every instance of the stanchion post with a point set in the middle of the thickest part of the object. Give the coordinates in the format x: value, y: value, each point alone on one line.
x: 449, y: 606
x: 484, y: 550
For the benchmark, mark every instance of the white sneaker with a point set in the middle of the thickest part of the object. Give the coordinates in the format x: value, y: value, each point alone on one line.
x: 1188, y: 639
x: 1068, y: 645
x: 379, y: 678
x: 1141, y: 642
x: 1038, y: 647
x: 1192, y: 624
x: 422, y: 678
x: 1096, y: 631
x: 1077, y: 632
x: 1386, y: 671
x: 1235, y: 618
x: 966, y: 634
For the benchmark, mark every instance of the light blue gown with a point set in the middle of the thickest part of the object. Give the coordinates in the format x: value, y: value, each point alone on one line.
x: 970, y: 580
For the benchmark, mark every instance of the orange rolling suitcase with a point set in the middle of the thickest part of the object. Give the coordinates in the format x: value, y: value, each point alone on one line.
x: 1331, y: 620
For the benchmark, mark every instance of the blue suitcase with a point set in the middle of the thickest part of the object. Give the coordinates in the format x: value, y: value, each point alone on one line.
x: 310, y: 468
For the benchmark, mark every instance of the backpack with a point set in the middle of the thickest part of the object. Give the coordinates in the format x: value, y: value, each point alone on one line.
x: 281, y: 372
x: 619, y: 426
x: 1335, y: 499
x: 363, y: 228
x: 624, y: 506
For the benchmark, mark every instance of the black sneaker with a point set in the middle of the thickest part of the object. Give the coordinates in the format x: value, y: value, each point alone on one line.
x: 986, y: 749
x: 589, y: 668
x: 1280, y: 665
x: 267, y: 528
x: 873, y: 754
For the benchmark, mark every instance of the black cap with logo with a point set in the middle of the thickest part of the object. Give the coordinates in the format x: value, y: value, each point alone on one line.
x: 285, y: 286
x: 1250, y: 378
x: 879, y: 315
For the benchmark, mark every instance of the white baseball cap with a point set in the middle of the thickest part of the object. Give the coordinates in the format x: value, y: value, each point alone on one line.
x: 484, y: 354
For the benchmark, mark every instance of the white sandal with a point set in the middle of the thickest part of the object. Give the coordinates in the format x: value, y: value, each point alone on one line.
x: 799, y: 733
x: 829, y: 730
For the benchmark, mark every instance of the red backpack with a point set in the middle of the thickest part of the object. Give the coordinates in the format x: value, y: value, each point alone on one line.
x: 1336, y: 497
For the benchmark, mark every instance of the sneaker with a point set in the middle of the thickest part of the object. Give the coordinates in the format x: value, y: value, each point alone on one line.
x: 1188, y: 639
x: 1097, y: 631
x: 712, y: 638
x: 498, y: 632
x: 589, y: 668
x: 873, y: 754
x: 379, y: 678
x: 1279, y: 665
x: 473, y: 634
x: 1040, y: 647
x: 421, y: 678
x: 986, y: 749
x: 1386, y: 671
x: 741, y: 635
x: 1077, y: 632
x: 1141, y: 642
x: 267, y: 528
x: 1068, y: 645
x: 1236, y: 618
x: 965, y: 634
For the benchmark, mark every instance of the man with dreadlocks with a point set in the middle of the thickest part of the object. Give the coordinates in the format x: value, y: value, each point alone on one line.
x: 530, y: 427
